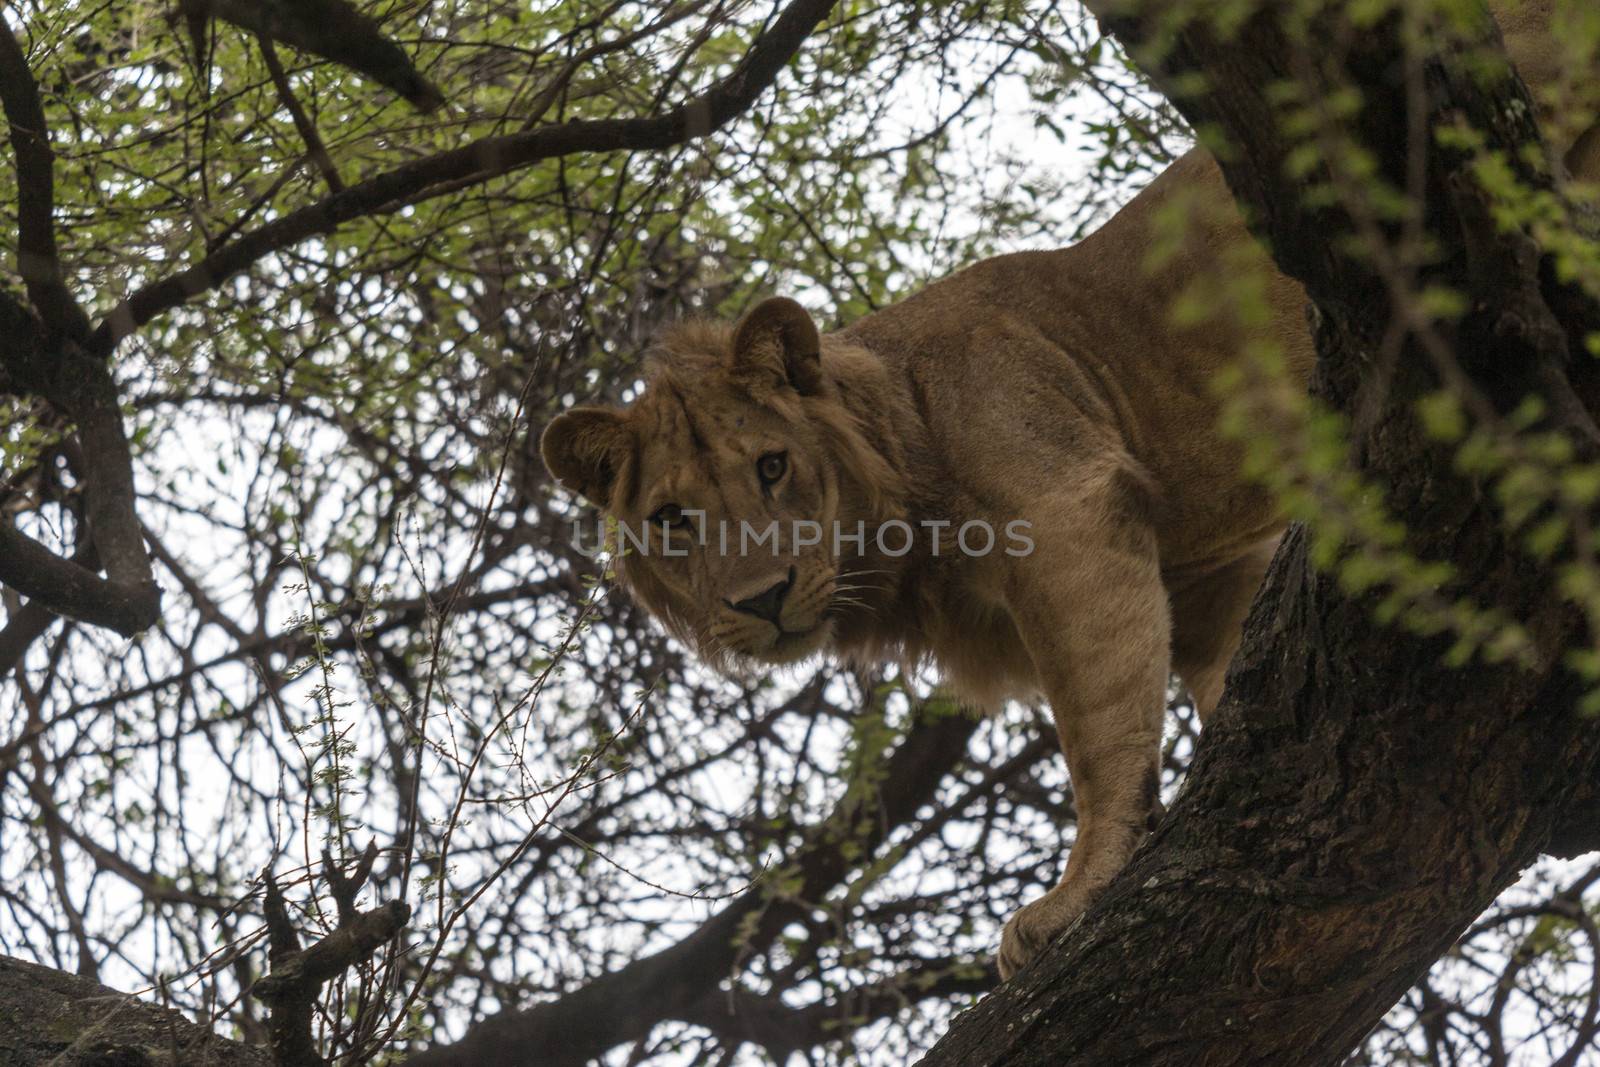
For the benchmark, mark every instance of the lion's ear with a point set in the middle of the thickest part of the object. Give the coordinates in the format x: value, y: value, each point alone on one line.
x: 585, y: 448
x: 778, y: 336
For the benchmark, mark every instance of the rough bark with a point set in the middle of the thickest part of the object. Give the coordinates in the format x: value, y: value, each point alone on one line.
x: 293, y: 989
x: 49, y: 1016
x: 1356, y: 802
x: 1579, y: 829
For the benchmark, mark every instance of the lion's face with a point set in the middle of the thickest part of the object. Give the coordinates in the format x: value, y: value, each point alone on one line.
x: 725, y: 485
x: 709, y: 539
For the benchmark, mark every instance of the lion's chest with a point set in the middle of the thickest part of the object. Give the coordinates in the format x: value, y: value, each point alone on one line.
x: 980, y: 655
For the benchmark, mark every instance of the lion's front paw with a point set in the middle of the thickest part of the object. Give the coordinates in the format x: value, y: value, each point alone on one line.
x: 1033, y: 927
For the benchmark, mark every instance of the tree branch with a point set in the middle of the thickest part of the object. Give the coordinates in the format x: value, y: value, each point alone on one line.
x: 481, y: 160
x: 37, y: 260
x: 55, y: 1017
x: 60, y: 370
x: 332, y: 29
x: 315, y: 149
x: 23, y: 627
x: 292, y: 988
x: 61, y: 587
x: 156, y: 888
x: 737, y: 1016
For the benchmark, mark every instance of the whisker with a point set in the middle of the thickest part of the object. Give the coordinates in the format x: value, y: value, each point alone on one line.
x: 853, y: 605
x: 844, y: 589
x: 852, y: 576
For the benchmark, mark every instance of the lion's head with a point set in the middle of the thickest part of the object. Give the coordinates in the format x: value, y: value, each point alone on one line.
x: 728, y: 478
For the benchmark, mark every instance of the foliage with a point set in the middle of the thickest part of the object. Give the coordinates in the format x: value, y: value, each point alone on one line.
x: 378, y: 621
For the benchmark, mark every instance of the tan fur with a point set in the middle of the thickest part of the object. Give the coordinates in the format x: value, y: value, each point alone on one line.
x: 1042, y: 387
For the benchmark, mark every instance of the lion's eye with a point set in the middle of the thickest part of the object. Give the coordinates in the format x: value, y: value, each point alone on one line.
x: 771, y: 467
x: 668, y: 514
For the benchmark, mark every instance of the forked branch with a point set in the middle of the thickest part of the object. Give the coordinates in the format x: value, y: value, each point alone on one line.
x: 291, y: 990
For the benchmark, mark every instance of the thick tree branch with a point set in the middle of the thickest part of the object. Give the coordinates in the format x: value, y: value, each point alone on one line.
x: 481, y: 160
x: 1355, y: 803
x: 332, y: 29
x: 37, y: 260
x: 61, y: 587
x: 295, y: 983
x: 127, y: 600
x: 304, y: 972
x: 55, y: 1017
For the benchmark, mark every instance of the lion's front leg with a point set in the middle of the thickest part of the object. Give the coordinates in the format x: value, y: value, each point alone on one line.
x: 1093, y: 614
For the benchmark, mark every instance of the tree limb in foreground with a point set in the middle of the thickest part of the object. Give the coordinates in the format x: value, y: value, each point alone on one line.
x: 1355, y: 803
x: 54, y: 1017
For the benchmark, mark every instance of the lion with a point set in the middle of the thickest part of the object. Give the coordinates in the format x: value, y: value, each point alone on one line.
x: 1041, y: 404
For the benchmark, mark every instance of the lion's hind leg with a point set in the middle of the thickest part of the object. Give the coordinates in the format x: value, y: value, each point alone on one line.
x: 1208, y: 615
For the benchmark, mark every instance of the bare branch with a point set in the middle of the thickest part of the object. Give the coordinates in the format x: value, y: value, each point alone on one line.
x: 155, y: 887
x: 23, y: 627
x: 347, y: 946
x: 302, y: 122
x: 625, y: 1004
x: 61, y: 587
x: 741, y: 1016
x: 344, y: 888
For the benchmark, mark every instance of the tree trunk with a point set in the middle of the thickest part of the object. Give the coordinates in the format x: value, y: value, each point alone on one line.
x: 1355, y: 802
x: 49, y: 1016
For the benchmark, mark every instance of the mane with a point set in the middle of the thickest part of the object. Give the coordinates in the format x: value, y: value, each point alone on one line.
x: 853, y: 413
x: 690, y: 349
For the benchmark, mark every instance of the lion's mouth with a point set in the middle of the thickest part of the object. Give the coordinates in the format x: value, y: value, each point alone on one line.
x: 790, y: 645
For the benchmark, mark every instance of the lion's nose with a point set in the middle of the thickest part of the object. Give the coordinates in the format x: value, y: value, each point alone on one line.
x: 768, y: 603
